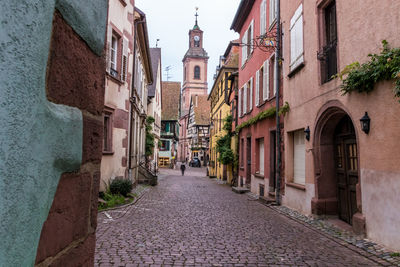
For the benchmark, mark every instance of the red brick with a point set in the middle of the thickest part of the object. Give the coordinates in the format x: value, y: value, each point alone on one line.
x: 94, y: 200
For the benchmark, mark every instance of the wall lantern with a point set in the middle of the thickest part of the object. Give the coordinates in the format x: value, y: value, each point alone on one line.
x: 307, y: 133
x: 365, y: 123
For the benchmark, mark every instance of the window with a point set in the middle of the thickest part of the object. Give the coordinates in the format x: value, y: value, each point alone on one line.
x: 296, y: 39
x: 260, y: 156
x: 247, y: 39
x: 265, y: 80
x: 197, y: 72
x: 114, y: 49
x: 244, y: 99
x: 299, y: 153
x: 164, y: 145
x: 328, y: 55
x: 250, y: 95
x: 263, y: 17
x: 242, y: 153
x: 240, y: 102
x: 272, y: 12
x: 107, y: 130
x: 220, y: 119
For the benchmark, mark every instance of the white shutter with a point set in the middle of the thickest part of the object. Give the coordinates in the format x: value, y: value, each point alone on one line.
x: 108, y: 49
x: 124, y: 61
x: 275, y: 75
x: 263, y: 19
x: 244, y: 48
x: 245, y: 99
x: 261, y: 155
x: 251, y: 95
x: 296, y: 38
x: 272, y: 11
x: 299, y: 168
x: 266, y: 80
x: 251, y: 36
x: 240, y: 103
x: 257, y: 88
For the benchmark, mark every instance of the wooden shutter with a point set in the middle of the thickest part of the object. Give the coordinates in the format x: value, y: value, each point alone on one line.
x: 266, y: 80
x: 251, y: 36
x: 124, y: 62
x: 299, y: 153
x: 245, y: 99
x: 244, y: 48
x: 257, y: 88
x: 296, y: 38
x: 108, y: 48
x: 251, y: 95
x: 240, y: 103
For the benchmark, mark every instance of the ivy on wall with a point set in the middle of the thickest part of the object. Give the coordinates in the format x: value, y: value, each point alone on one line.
x: 266, y: 114
x: 223, y: 146
x: 149, y: 148
x: 381, y: 67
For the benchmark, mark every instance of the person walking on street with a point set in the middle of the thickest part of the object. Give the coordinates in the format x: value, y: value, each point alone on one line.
x: 183, y: 168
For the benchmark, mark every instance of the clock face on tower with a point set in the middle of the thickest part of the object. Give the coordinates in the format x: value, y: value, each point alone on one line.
x: 196, y: 41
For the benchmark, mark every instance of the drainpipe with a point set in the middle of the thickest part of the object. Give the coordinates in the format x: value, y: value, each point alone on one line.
x: 277, y: 86
x: 136, y: 22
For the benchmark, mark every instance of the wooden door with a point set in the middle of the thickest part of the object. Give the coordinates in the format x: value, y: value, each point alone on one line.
x: 346, y: 169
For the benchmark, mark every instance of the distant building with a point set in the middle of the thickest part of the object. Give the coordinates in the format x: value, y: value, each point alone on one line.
x: 198, y: 128
x: 169, y: 123
x: 155, y: 102
x: 194, y: 83
x: 221, y: 109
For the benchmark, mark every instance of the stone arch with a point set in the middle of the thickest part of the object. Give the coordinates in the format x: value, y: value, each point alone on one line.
x: 328, y: 118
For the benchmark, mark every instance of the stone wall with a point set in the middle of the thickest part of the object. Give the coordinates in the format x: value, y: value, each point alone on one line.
x: 52, y: 93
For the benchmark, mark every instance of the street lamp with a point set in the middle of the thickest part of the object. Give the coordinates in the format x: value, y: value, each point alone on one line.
x: 307, y: 133
x: 365, y: 123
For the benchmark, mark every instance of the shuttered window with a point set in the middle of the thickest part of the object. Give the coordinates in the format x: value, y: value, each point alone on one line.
x: 263, y: 18
x: 250, y: 85
x: 261, y: 155
x: 257, y: 88
x: 266, y: 80
x: 272, y: 11
x: 240, y: 103
x: 299, y: 168
x: 244, y: 99
x: 296, y: 38
x: 124, y: 67
x: 244, y: 48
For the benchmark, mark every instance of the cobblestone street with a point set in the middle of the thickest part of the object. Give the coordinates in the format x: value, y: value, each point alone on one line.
x: 194, y: 221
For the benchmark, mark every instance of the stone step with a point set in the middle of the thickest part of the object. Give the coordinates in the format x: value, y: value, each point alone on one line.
x: 266, y: 200
x: 240, y: 190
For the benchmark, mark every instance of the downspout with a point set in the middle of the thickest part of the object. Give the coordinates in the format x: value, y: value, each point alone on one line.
x: 136, y: 22
x: 277, y: 86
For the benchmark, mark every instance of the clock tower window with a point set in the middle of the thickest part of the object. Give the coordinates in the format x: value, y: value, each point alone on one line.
x: 196, y: 72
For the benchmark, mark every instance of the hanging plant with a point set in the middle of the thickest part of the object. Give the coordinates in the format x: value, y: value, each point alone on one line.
x: 381, y: 67
x: 266, y: 114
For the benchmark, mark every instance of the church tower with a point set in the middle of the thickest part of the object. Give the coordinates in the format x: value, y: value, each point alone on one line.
x: 194, y: 68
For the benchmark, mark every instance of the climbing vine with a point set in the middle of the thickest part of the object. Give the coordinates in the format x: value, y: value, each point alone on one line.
x: 149, y: 136
x: 268, y: 113
x: 223, y: 146
x: 381, y: 67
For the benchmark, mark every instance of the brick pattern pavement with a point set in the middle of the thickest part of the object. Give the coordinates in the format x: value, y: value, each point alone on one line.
x: 193, y: 221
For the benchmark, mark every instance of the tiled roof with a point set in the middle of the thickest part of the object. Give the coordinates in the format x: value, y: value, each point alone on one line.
x: 155, y: 55
x: 202, y: 110
x: 170, y: 93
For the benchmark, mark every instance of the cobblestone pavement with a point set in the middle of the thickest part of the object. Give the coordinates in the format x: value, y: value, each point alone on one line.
x: 194, y: 221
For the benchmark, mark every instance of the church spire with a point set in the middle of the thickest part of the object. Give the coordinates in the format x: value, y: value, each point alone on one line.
x: 196, y: 26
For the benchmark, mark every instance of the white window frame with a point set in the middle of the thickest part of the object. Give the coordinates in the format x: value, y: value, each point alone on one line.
x: 261, y: 156
x: 251, y: 94
x: 266, y: 80
x: 263, y: 17
x: 296, y: 39
x: 257, y: 87
x: 114, y: 52
x: 245, y: 98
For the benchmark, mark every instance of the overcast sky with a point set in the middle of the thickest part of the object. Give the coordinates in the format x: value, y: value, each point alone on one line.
x: 171, y: 20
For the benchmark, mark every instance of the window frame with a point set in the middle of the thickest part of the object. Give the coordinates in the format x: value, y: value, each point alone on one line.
x: 196, y: 72
x: 107, y: 146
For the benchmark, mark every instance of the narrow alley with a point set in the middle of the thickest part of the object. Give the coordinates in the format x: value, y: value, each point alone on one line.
x: 195, y: 221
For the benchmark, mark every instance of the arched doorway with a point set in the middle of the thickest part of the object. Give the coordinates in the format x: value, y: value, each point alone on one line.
x: 335, y: 150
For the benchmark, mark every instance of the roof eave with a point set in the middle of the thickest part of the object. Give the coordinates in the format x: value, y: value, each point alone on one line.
x: 241, y: 14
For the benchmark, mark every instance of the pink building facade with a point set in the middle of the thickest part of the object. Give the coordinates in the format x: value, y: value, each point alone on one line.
x: 256, y: 94
x: 332, y: 166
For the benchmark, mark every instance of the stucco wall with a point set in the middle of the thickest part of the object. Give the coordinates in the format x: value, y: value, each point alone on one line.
x: 357, y: 37
x: 40, y: 140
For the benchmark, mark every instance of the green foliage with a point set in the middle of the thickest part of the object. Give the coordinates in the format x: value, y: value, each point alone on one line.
x: 121, y: 186
x: 223, y: 146
x: 149, y: 146
x: 268, y: 113
x: 381, y: 67
x: 395, y: 254
x: 112, y: 201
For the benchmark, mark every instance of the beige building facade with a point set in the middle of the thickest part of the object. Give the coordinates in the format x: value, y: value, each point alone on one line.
x: 332, y: 166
